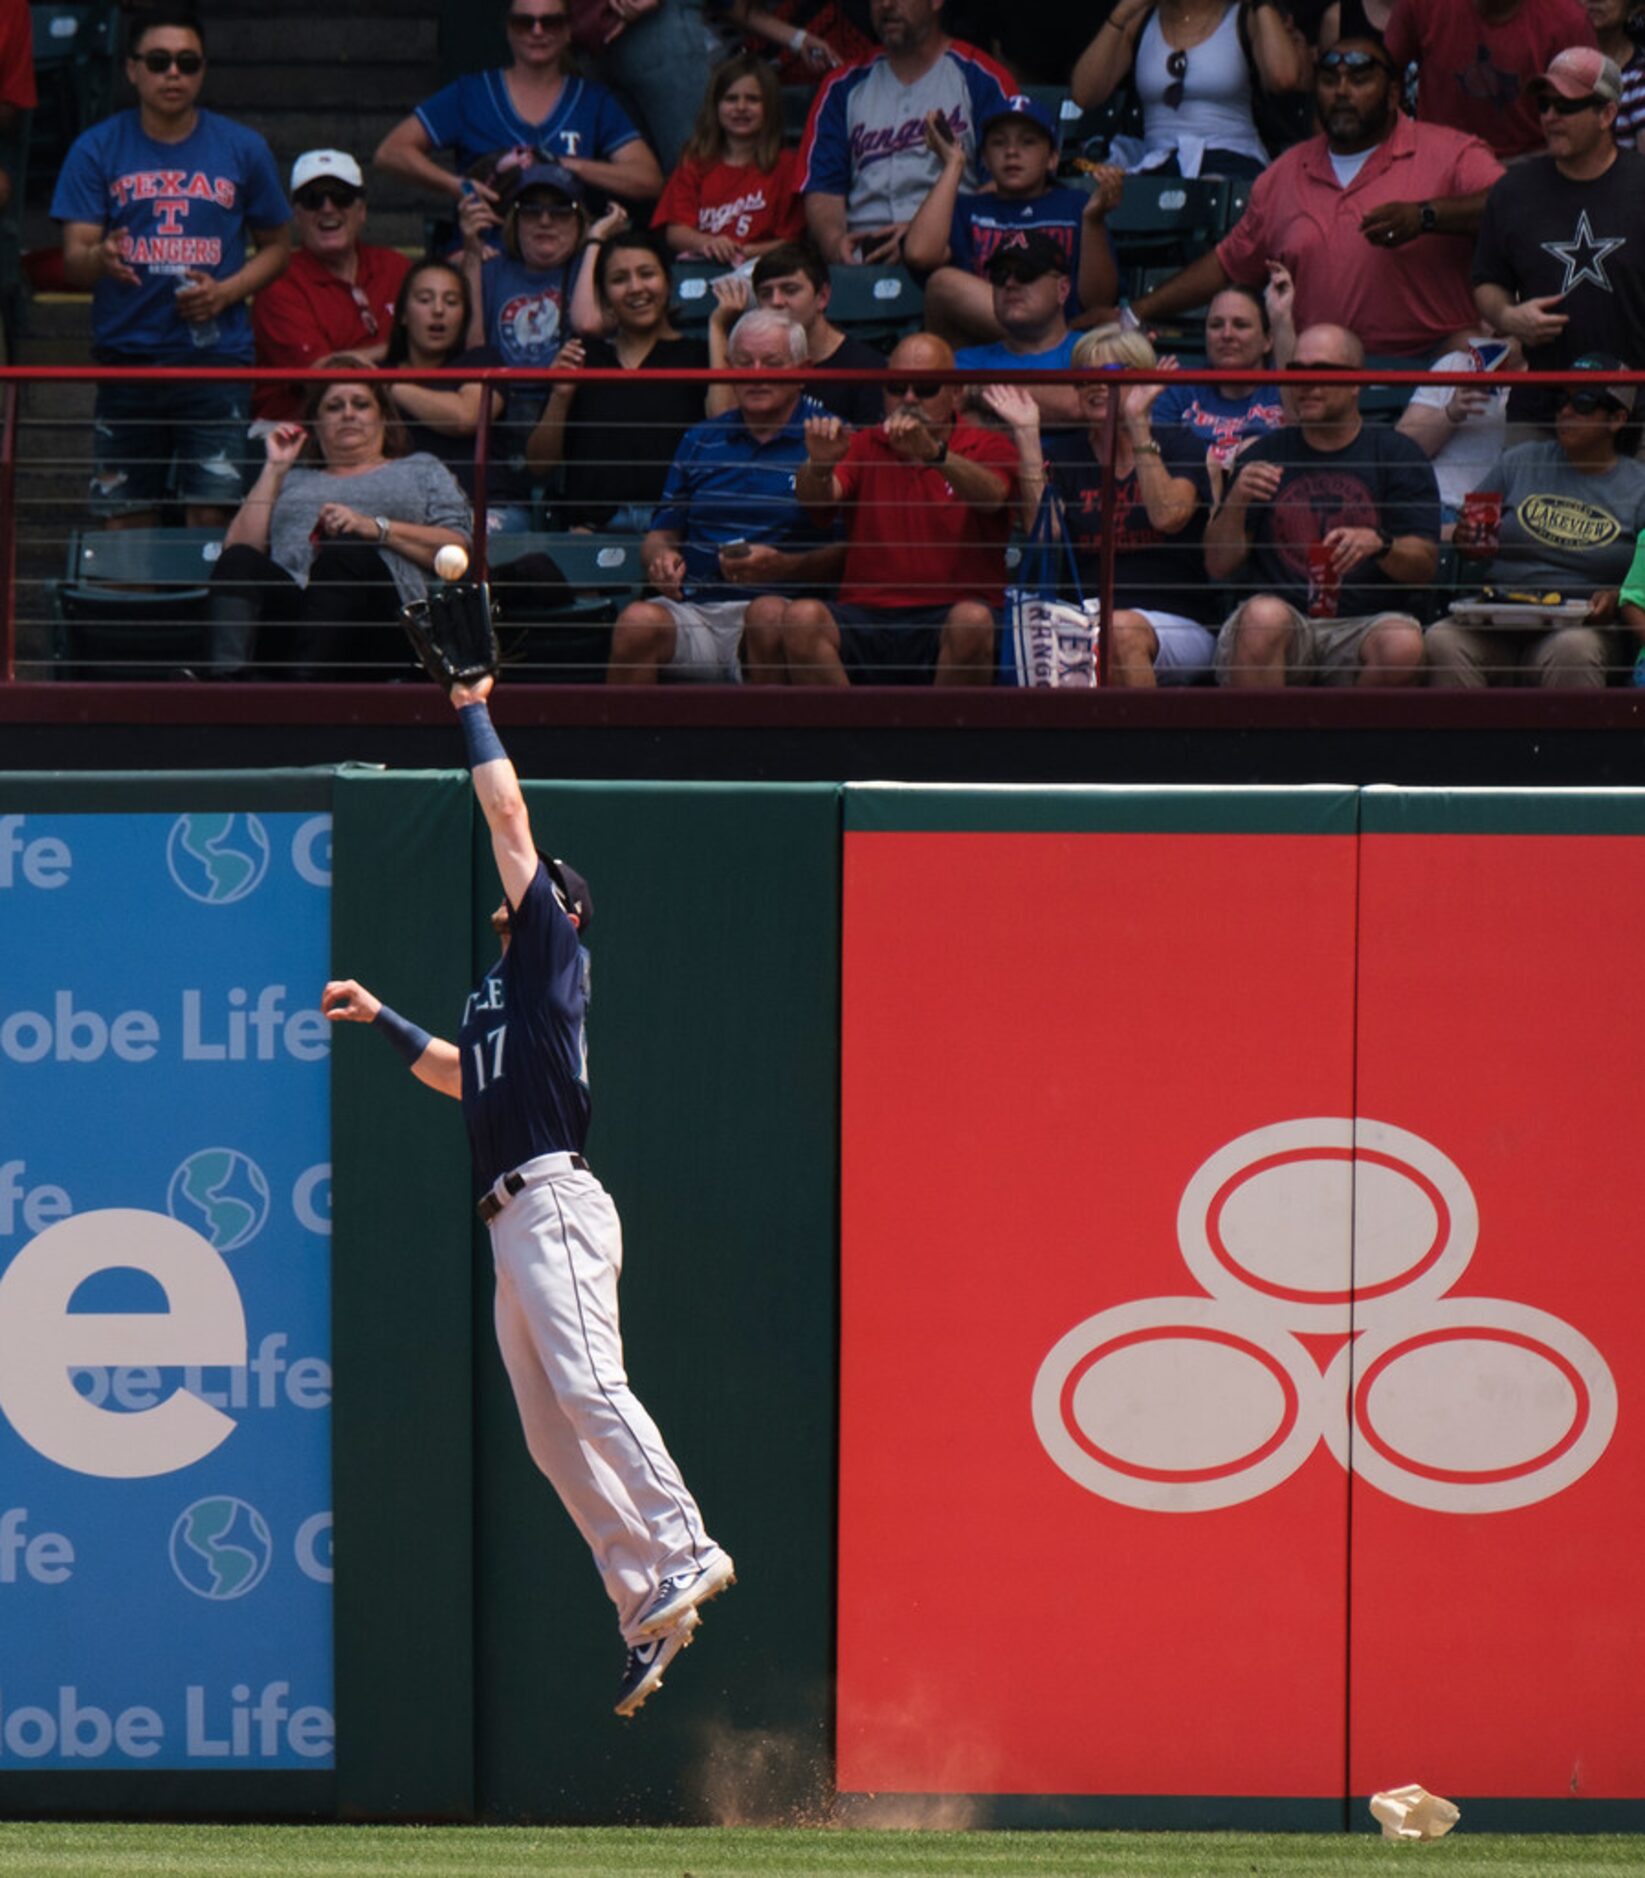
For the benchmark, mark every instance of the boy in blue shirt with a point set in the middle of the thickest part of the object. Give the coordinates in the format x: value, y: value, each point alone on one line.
x: 956, y: 235
x: 156, y: 204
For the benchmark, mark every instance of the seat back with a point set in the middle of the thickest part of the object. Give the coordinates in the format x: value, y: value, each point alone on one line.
x: 134, y: 604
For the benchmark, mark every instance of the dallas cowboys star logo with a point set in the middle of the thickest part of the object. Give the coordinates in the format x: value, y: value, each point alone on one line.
x: 1583, y: 256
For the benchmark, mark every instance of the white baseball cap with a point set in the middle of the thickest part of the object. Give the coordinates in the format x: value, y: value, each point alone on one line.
x: 337, y: 164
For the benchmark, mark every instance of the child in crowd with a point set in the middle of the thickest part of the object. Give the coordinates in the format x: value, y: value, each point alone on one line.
x: 954, y: 236
x: 735, y: 192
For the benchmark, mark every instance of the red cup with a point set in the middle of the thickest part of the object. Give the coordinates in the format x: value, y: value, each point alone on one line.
x: 1482, y: 515
x: 1324, y: 582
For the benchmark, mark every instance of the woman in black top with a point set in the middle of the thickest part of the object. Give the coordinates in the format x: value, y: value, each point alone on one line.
x: 617, y: 440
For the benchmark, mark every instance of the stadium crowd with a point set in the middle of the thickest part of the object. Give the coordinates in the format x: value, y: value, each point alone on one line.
x: 1234, y: 186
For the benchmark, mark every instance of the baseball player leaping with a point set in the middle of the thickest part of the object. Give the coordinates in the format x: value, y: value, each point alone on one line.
x: 520, y: 1068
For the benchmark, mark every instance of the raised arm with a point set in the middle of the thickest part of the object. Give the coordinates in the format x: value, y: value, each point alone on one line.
x: 496, y: 789
x: 430, y: 1059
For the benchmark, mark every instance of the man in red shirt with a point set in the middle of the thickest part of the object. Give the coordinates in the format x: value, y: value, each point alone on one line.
x: 337, y: 295
x: 928, y: 505
x: 1477, y: 59
x: 1374, y: 217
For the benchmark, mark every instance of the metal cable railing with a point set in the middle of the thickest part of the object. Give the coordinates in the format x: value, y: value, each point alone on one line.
x: 86, y: 601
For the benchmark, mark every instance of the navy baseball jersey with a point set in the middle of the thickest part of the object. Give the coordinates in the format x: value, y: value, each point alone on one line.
x: 523, y: 1043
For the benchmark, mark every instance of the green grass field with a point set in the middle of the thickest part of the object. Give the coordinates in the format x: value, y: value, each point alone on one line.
x: 33, y: 1850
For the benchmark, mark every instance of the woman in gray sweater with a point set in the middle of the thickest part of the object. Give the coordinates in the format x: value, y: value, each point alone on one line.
x: 338, y: 532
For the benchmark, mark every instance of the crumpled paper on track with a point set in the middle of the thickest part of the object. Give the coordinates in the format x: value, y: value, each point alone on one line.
x: 1413, y: 1813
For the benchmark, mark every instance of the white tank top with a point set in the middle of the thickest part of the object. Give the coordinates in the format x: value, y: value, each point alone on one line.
x: 1215, y: 113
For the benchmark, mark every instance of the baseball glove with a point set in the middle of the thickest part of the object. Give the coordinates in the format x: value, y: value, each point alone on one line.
x: 452, y: 634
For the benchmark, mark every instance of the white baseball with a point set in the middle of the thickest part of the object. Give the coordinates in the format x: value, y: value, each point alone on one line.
x: 451, y: 563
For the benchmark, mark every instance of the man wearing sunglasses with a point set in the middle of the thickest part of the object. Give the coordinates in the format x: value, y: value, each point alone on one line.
x: 1331, y: 526
x: 1028, y: 273
x: 1373, y: 218
x: 338, y: 293
x: 174, y: 218
x: 1560, y: 264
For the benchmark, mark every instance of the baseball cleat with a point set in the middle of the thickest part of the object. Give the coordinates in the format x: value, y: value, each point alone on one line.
x: 685, y: 1592
x: 643, y: 1672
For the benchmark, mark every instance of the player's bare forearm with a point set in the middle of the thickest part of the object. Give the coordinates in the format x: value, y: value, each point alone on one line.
x: 497, y: 790
x: 440, y: 1068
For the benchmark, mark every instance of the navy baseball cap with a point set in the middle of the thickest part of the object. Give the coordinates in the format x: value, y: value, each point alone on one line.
x: 571, y: 890
x: 1021, y: 107
x: 550, y: 176
x: 1027, y: 253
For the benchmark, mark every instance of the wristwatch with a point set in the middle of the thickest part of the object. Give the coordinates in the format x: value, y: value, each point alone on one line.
x: 383, y: 526
x: 940, y: 458
x: 1428, y: 216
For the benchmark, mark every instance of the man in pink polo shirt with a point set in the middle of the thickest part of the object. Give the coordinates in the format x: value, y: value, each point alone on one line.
x: 1374, y: 218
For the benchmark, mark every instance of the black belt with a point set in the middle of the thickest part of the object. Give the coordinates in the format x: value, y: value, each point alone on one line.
x: 490, y: 1205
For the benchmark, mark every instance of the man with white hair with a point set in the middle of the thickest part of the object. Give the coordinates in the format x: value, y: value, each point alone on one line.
x: 338, y: 294
x: 730, y: 539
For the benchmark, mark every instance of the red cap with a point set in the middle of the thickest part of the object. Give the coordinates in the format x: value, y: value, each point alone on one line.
x: 1583, y: 72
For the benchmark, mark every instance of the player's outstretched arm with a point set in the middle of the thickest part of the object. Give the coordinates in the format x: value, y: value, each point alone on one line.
x: 430, y: 1059
x: 496, y: 789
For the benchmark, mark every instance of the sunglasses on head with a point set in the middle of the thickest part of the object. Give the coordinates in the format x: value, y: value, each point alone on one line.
x: 188, y: 63
x: 1566, y: 107
x: 539, y: 22
x: 1355, y: 64
x: 315, y: 196
x: 1176, y: 69
x: 1585, y: 403
x: 921, y: 388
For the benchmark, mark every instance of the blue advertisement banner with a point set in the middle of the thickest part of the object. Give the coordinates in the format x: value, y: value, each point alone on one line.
x: 165, y: 1323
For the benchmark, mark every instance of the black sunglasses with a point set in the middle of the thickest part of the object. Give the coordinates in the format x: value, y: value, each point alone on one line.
x: 1176, y: 69
x: 1316, y: 367
x: 1020, y: 271
x: 188, y: 63
x: 1566, y: 107
x: 539, y: 22
x: 315, y: 196
x: 1355, y: 64
x: 921, y: 388
x: 546, y: 211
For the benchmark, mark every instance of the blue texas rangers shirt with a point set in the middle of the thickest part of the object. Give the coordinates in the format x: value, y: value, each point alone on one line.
x: 475, y: 115
x: 173, y: 206
x: 523, y: 1043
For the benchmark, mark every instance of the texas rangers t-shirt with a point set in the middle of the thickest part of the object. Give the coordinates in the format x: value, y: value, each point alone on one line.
x: 735, y: 200
x: 1380, y: 480
x: 865, y: 139
x: 1220, y: 423
x: 523, y: 1042
x: 173, y: 207
x: 475, y: 115
x: 1152, y: 570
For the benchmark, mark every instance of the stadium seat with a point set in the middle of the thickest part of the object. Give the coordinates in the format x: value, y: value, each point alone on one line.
x: 878, y: 304
x: 133, y: 603
x: 694, y: 293
x: 1167, y: 220
x: 563, y: 634
x: 74, y: 60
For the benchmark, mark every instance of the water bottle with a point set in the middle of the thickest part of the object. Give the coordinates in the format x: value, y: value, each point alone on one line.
x: 203, y: 334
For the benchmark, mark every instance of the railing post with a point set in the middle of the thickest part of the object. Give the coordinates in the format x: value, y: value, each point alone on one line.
x: 482, y: 460
x: 1110, y: 478
x: 8, y: 531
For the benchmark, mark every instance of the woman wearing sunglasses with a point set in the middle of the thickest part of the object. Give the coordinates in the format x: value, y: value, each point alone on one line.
x: 536, y: 99
x: 1558, y: 517
x: 1197, y: 67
